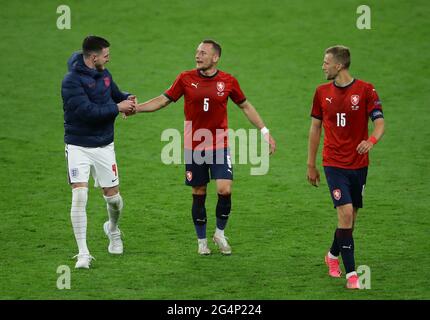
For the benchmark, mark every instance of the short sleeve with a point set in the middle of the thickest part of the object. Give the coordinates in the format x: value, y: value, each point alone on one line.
x: 236, y: 95
x: 372, y: 101
x: 316, y: 107
x: 373, y: 104
x: 176, y: 90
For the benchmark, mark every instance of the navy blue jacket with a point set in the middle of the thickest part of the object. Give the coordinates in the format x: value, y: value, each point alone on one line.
x: 90, y: 106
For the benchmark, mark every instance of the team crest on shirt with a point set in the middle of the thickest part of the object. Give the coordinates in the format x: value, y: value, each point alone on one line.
x: 337, y: 194
x: 220, y: 87
x: 107, y: 81
x: 189, y: 175
x: 74, y: 172
x: 355, y: 99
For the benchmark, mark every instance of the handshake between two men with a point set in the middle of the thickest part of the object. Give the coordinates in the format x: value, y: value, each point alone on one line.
x: 128, y: 107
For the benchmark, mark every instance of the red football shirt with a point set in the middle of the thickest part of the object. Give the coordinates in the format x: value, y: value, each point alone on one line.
x: 344, y: 112
x: 205, y: 107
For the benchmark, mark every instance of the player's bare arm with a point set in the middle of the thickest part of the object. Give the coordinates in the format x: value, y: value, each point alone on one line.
x: 253, y: 116
x: 153, y: 104
x: 378, y: 131
x: 313, y: 174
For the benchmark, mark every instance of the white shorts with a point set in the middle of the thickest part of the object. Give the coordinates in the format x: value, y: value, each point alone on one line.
x: 100, y: 162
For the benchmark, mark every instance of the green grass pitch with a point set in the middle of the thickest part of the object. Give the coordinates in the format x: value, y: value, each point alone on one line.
x: 280, y: 226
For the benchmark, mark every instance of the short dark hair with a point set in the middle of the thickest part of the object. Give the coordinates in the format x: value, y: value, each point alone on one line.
x: 341, y: 54
x: 94, y: 44
x: 215, y: 45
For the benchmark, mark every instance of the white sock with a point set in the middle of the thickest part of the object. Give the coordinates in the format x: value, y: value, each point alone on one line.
x: 114, y: 208
x: 332, y: 256
x: 78, y: 215
x: 353, y: 273
x: 219, y: 233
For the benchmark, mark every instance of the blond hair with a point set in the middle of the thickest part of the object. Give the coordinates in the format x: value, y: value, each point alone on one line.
x: 341, y: 54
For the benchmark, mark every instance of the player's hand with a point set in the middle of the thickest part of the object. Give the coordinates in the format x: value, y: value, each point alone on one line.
x: 364, y: 147
x: 269, y: 139
x: 127, y: 107
x: 128, y: 114
x: 132, y: 98
x: 313, y: 176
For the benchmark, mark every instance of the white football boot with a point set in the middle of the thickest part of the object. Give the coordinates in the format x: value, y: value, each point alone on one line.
x: 84, y: 261
x: 203, y: 247
x: 222, y: 244
x: 115, y: 242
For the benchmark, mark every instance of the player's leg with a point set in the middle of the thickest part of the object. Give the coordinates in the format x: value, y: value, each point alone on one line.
x: 223, y: 207
x: 107, y: 177
x: 115, y: 205
x: 345, y: 239
x: 338, y: 184
x: 78, y: 170
x: 197, y: 176
x: 347, y: 217
x: 222, y: 172
x: 357, y: 180
x: 78, y: 215
x: 198, y: 213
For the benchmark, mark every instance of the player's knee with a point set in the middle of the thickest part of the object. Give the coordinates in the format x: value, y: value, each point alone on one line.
x: 199, y: 190
x: 224, y: 191
x: 109, y: 192
x: 223, y: 207
x: 199, y: 210
x: 346, y: 209
x: 79, y: 185
x: 115, y: 201
x: 346, y: 215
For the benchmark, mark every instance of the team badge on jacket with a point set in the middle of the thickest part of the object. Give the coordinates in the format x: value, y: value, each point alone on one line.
x: 107, y: 81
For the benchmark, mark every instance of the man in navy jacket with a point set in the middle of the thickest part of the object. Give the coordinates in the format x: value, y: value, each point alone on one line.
x: 91, y: 103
